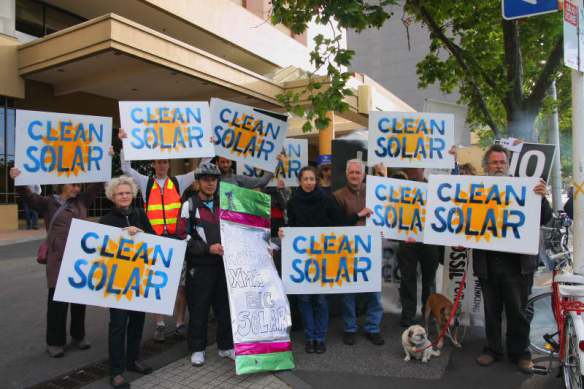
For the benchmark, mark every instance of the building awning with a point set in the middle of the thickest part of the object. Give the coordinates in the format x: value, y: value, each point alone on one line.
x: 114, y: 57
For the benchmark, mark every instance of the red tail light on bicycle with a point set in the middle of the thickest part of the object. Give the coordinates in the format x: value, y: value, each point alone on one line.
x: 581, y: 345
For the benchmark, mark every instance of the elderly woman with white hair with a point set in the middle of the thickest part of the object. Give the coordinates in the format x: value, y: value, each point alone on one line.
x: 125, y: 327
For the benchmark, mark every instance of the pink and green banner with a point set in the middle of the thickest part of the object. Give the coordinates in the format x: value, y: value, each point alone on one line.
x: 260, y: 313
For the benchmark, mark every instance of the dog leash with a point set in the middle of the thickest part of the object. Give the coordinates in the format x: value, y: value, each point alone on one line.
x: 452, y: 313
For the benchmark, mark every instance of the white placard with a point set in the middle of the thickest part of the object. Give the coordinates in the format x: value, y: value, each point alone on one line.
x: 247, y: 135
x: 296, y: 151
x: 106, y: 267
x: 411, y: 139
x: 491, y: 213
x: 258, y: 305
x: 331, y: 260
x: 399, y: 207
x: 166, y: 129
x: 62, y: 148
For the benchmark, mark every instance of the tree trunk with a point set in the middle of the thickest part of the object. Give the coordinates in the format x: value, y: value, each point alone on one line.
x: 521, y: 124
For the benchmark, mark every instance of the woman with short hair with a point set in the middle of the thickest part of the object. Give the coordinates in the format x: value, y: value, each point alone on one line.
x: 125, y: 326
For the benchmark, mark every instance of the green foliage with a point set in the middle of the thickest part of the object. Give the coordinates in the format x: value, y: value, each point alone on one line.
x: 328, y: 53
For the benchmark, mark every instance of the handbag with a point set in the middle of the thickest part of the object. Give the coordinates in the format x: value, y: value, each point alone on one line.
x: 43, y: 252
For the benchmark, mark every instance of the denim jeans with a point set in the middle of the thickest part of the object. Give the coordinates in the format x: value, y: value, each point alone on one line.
x: 374, y: 312
x: 314, y: 311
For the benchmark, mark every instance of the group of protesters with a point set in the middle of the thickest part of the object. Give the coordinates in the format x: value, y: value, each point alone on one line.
x: 505, y: 278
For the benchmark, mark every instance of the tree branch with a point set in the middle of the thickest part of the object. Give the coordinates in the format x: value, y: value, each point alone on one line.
x: 514, y: 62
x: 457, y: 53
x: 545, y: 77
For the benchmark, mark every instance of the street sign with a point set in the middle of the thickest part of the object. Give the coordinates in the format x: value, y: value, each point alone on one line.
x: 516, y: 9
x: 573, y: 34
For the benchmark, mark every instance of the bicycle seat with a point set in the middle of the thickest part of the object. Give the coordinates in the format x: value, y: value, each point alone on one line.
x: 570, y: 279
x: 571, y: 290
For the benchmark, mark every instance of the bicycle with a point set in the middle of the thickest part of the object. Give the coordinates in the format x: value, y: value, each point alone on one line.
x: 557, y: 327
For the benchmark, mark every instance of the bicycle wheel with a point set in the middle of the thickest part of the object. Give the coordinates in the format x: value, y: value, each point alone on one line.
x: 541, y: 316
x: 571, y: 365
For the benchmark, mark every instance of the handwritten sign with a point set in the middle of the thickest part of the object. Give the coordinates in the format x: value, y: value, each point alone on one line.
x: 166, y: 129
x: 399, y: 207
x: 410, y: 139
x: 331, y: 260
x: 248, y: 135
x: 456, y: 261
x: 491, y: 213
x: 296, y: 157
x: 106, y: 267
x: 61, y: 148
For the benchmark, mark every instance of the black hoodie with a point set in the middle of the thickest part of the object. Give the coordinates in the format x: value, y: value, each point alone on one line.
x: 313, y: 209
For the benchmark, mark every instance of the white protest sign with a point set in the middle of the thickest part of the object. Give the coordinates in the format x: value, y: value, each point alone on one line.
x: 331, y: 260
x: 456, y: 261
x: 296, y: 157
x: 166, y: 129
x: 491, y: 213
x: 106, y: 267
x: 258, y: 304
x: 248, y: 135
x: 399, y: 207
x: 574, y: 34
x: 62, y: 148
x: 411, y: 139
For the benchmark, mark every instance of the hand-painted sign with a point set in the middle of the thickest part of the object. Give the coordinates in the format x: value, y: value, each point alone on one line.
x: 260, y: 313
x: 399, y: 207
x: 491, y: 213
x: 456, y: 261
x: 331, y: 260
x: 296, y: 156
x: 106, y: 267
x: 166, y: 129
x: 61, y: 148
x: 410, y: 139
x: 248, y: 135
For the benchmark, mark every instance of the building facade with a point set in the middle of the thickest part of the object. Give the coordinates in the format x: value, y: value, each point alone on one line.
x: 85, y: 56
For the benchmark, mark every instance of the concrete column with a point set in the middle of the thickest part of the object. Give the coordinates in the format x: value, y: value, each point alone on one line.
x: 8, y: 17
x: 578, y: 168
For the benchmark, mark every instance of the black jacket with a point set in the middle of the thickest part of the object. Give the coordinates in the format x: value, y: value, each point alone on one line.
x: 528, y: 262
x: 314, y: 209
x: 204, y: 231
x: 133, y: 217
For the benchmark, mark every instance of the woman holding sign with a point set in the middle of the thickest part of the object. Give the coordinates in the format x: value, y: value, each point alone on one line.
x: 125, y: 327
x: 58, y: 210
x: 310, y: 206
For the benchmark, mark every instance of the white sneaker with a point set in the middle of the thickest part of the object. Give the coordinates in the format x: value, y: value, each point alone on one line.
x: 198, y: 358
x: 227, y: 354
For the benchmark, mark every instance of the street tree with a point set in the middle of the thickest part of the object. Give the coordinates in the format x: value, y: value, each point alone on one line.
x: 501, y: 69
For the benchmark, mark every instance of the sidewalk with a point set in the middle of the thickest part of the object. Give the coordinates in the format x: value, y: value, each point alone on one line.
x: 20, y: 236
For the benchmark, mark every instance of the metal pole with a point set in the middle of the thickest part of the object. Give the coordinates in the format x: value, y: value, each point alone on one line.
x: 554, y: 138
x: 578, y: 173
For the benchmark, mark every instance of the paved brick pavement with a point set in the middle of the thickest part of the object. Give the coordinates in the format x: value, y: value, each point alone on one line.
x: 216, y: 373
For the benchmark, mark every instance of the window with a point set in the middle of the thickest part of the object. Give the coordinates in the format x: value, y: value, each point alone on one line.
x: 7, y: 117
x: 39, y: 19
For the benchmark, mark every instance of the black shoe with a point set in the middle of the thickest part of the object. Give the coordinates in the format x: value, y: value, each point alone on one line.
x: 349, y: 338
x: 139, y: 368
x: 309, y: 346
x: 375, y: 338
x: 405, y: 322
x: 319, y: 347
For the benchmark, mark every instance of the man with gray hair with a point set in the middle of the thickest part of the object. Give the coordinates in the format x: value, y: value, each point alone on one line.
x: 506, y: 280
x: 351, y: 200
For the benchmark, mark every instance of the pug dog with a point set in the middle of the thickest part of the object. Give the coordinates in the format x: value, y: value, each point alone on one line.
x: 439, y: 307
x: 416, y: 344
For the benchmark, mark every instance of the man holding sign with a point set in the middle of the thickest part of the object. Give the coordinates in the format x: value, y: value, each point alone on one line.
x: 162, y: 202
x: 351, y: 200
x: 506, y: 280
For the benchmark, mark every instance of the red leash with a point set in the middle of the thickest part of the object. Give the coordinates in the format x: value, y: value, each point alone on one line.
x: 452, y: 314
